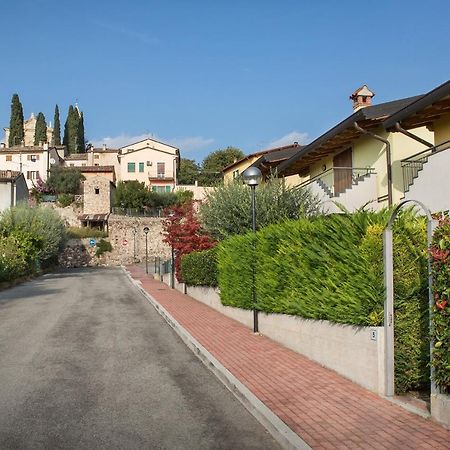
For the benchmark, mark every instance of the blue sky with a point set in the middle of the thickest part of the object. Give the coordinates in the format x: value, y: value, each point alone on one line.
x: 207, y: 74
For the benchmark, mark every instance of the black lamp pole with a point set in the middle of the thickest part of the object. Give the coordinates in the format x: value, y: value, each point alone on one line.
x: 255, y: 311
x: 252, y: 177
x: 146, y: 230
x: 172, y: 272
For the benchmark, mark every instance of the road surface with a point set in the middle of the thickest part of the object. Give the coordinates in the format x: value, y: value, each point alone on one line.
x: 87, y: 363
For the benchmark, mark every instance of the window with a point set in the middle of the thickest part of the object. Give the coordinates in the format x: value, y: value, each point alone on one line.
x: 32, y: 174
x: 72, y: 164
x: 160, y: 189
x: 161, y: 170
x: 33, y: 157
x: 96, y: 156
x: 168, y: 189
x: 97, y: 191
x: 83, y: 164
x: 131, y: 167
x: 141, y: 167
x: 235, y: 174
x: 8, y: 157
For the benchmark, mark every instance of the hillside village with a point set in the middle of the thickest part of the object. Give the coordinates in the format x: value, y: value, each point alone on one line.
x: 295, y: 241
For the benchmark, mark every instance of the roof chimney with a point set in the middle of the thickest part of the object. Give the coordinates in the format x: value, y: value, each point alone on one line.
x: 361, y: 98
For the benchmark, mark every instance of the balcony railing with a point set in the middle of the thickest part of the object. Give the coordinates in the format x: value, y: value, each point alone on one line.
x: 412, y: 165
x: 337, y: 180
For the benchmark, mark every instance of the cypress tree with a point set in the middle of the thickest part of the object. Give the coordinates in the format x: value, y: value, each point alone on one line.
x: 74, y: 131
x: 80, y: 133
x: 40, y: 132
x: 56, y: 128
x: 16, y: 132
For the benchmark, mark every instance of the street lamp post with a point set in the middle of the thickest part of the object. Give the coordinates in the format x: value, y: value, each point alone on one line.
x: 252, y: 177
x: 134, y: 244
x: 172, y: 269
x: 146, y: 230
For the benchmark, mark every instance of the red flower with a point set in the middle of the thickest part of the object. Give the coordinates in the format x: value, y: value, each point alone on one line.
x: 441, y: 304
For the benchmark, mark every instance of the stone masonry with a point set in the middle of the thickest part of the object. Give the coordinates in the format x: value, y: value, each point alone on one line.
x: 127, y: 238
x: 98, y: 195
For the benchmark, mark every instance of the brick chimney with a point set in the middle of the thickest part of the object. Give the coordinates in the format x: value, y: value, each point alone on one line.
x: 361, y: 98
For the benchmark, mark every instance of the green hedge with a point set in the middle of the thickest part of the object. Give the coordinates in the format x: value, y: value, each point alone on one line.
x: 331, y: 268
x: 200, y: 268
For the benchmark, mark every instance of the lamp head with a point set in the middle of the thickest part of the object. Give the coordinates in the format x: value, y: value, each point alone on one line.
x: 146, y: 230
x: 252, y: 176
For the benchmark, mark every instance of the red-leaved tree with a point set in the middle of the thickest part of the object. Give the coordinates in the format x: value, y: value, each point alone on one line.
x: 184, y: 233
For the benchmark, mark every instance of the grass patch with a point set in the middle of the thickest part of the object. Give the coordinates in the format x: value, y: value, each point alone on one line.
x: 85, y: 232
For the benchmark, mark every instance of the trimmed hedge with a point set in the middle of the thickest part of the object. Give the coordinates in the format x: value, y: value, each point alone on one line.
x: 331, y: 268
x: 200, y: 268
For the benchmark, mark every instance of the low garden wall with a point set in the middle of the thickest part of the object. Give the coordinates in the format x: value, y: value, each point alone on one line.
x: 353, y: 351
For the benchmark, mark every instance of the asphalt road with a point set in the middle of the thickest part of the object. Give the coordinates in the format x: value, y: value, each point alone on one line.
x: 87, y: 363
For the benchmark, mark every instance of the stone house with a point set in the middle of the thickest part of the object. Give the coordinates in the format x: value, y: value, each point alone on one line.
x: 98, y: 197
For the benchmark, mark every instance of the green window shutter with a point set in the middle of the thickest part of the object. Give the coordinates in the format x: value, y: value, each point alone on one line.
x: 168, y: 189
x: 154, y: 188
x: 131, y: 167
x: 141, y: 167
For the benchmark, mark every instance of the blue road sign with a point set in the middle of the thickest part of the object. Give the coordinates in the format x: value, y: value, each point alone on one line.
x: 92, y: 242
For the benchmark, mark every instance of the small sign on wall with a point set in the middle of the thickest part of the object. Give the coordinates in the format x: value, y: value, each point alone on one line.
x: 125, y: 242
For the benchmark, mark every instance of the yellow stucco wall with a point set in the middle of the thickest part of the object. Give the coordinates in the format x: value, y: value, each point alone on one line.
x: 367, y: 152
x: 142, y: 156
x: 240, y: 167
x: 442, y: 129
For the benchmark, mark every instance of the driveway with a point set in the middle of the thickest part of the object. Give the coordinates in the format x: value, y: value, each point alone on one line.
x: 87, y: 363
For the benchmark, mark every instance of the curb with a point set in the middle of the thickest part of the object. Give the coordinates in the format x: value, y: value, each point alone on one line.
x: 274, y: 425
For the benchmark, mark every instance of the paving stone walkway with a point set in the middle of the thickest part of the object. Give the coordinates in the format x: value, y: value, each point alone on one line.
x: 325, y: 409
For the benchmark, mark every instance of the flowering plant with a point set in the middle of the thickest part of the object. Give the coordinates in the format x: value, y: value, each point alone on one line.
x: 440, y: 267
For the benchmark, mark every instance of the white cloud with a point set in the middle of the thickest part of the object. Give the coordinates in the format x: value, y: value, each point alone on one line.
x: 124, y: 31
x: 290, y: 138
x: 186, y: 144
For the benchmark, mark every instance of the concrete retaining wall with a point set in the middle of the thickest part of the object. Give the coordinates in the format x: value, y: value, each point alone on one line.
x: 354, y: 352
x: 440, y: 408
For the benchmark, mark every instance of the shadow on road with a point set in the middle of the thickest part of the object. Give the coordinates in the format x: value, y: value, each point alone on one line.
x: 42, y: 286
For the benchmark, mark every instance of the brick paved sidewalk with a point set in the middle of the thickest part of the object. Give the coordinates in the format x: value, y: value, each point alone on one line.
x: 326, y: 410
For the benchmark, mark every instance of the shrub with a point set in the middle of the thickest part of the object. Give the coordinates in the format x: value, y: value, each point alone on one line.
x: 184, y: 233
x: 200, y: 268
x: 103, y: 247
x: 331, y: 268
x: 13, y: 260
x: 41, y: 229
x: 440, y: 254
x: 226, y: 211
x: 85, y: 232
x: 65, y: 199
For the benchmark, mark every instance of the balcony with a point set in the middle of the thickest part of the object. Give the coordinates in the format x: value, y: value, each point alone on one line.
x: 425, y: 177
x: 413, y: 165
x: 352, y: 187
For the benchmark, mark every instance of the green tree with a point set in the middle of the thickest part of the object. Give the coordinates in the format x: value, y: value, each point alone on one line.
x: 226, y: 211
x: 40, y: 132
x: 215, y: 162
x: 80, y: 144
x: 56, y: 128
x: 16, y: 132
x: 74, y: 131
x: 189, y: 171
x: 131, y: 194
x: 65, y: 180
